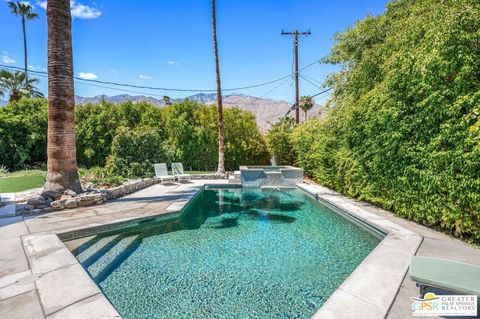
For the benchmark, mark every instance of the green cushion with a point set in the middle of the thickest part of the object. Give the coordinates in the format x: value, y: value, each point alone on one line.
x: 449, y: 275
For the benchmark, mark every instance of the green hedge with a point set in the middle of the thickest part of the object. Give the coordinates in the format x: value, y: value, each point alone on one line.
x: 402, y: 128
x: 186, y: 131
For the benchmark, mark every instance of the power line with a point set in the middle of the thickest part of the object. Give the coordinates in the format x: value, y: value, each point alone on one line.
x: 311, y: 96
x: 310, y: 82
x: 155, y: 88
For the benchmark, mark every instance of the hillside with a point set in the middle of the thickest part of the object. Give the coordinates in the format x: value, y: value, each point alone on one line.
x: 265, y: 110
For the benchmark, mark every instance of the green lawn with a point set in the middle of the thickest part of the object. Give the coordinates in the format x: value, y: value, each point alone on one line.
x: 21, y: 181
x: 24, y: 180
x: 199, y: 172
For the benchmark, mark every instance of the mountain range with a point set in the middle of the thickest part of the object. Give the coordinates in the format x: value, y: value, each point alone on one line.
x: 266, y: 111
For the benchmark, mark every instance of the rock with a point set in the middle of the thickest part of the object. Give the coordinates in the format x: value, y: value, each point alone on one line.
x: 53, y: 194
x: 42, y: 206
x: 37, y: 200
x: 29, y: 207
x: 48, y: 201
x: 70, y: 203
x: 37, y: 211
x: 58, y: 204
x: 90, y: 199
x: 70, y: 193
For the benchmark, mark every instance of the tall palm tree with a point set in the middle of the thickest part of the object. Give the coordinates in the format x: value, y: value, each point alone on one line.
x: 221, y: 137
x: 306, y: 104
x: 62, y: 171
x: 24, y: 10
x: 18, y: 85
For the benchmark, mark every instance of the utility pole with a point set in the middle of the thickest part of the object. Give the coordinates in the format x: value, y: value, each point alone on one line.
x: 295, y: 34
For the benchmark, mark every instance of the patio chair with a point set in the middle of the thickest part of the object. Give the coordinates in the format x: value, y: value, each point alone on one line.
x: 178, y: 172
x: 445, y: 274
x: 161, y: 172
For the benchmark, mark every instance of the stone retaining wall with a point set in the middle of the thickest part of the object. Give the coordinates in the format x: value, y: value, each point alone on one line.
x: 52, y: 201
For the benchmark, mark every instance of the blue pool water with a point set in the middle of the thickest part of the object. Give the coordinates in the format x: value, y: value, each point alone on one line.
x: 234, y: 253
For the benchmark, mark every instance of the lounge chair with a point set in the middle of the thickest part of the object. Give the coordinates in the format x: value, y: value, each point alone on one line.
x: 445, y: 274
x: 178, y: 172
x: 161, y: 172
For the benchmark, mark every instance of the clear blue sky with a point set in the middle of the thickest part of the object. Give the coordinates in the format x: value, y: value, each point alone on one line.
x: 168, y: 43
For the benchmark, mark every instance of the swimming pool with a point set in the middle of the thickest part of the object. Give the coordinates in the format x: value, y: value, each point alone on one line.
x: 232, y: 253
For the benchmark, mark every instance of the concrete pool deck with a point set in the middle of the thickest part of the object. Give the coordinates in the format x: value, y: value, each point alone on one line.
x: 40, y: 278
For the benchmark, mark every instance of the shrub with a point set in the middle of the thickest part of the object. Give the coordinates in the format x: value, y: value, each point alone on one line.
x: 23, y: 132
x: 403, y: 132
x: 279, y: 141
x: 135, y: 151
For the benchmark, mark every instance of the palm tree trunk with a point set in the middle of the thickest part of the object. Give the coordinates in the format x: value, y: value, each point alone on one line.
x: 25, y: 49
x: 62, y: 170
x: 221, y: 138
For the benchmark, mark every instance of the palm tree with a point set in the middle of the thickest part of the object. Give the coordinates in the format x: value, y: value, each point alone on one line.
x: 62, y: 171
x: 166, y: 99
x: 306, y: 104
x: 18, y: 85
x: 221, y: 138
x: 24, y: 10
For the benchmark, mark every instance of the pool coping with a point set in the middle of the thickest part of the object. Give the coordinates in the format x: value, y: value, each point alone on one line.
x: 367, y: 293
x: 371, y: 288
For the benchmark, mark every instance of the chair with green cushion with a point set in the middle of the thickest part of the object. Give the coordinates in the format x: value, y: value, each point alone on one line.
x: 445, y: 274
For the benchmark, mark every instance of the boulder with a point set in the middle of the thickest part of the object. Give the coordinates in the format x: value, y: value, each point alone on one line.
x: 53, y: 194
x: 71, y: 203
x: 36, y: 200
x: 70, y: 193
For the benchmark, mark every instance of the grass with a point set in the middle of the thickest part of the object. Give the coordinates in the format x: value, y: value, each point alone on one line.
x: 21, y: 181
x: 28, y: 179
x: 199, y: 172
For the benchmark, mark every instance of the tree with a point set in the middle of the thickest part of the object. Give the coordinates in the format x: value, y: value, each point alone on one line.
x: 306, y: 104
x: 402, y: 125
x: 18, y: 85
x: 221, y: 138
x: 24, y: 10
x: 167, y: 100
x: 62, y: 172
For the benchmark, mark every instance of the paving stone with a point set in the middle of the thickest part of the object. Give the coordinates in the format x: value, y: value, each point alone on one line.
x: 11, y: 286
x: 91, y: 308
x: 375, y: 284
x: 63, y: 287
x: 24, y: 306
x: 51, y: 261
x: 347, y: 306
x: 12, y: 227
x: 41, y: 243
x: 12, y: 257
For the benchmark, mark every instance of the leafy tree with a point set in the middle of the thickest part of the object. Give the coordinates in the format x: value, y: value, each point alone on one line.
x: 23, y: 131
x: 403, y: 129
x: 18, y: 85
x: 279, y: 141
x: 24, y: 10
x: 135, y: 151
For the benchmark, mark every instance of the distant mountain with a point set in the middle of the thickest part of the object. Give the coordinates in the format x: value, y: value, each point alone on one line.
x: 266, y: 111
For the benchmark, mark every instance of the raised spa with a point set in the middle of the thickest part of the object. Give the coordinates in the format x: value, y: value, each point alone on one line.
x: 232, y: 253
